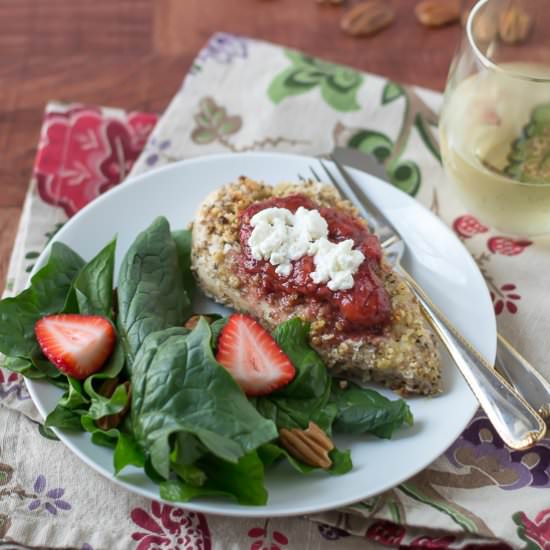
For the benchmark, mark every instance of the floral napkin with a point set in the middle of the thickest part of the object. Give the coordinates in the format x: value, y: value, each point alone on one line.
x: 243, y: 95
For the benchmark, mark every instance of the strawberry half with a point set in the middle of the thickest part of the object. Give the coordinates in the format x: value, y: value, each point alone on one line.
x: 253, y: 357
x: 77, y: 345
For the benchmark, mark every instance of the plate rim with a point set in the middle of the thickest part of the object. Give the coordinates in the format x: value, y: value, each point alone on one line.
x: 200, y: 505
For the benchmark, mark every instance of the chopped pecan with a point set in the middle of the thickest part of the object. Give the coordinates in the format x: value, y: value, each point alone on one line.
x: 311, y: 446
x: 367, y: 18
x: 113, y: 420
x: 436, y: 13
x: 514, y: 24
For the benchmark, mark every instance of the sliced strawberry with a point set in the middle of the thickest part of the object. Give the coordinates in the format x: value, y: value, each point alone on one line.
x: 77, y: 345
x: 253, y: 357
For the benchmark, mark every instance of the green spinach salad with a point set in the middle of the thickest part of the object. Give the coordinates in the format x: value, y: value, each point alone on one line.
x: 161, y: 400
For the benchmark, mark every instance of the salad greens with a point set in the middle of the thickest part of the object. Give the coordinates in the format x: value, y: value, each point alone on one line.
x: 361, y: 410
x: 151, y: 292
x: 46, y: 294
x: 92, y: 290
x: 307, y: 397
x: 179, y: 387
x: 189, y: 425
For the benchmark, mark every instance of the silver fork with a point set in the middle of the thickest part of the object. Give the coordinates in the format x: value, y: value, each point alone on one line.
x: 518, y: 371
x: 519, y: 426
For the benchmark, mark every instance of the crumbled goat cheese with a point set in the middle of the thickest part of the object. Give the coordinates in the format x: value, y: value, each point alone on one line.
x: 280, y: 236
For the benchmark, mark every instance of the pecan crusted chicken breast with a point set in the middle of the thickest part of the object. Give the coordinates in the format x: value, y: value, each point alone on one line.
x: 371, y: 330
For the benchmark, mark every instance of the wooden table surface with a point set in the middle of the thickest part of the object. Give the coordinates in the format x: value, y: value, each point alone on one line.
x: 134, y: 53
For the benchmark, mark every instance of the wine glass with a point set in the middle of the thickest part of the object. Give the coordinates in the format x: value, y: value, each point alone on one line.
x: 495, y: 122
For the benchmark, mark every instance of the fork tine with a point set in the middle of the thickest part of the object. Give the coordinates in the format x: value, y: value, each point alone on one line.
x: 372, y: 211
x: 333, y: 180
x: 314, y: 174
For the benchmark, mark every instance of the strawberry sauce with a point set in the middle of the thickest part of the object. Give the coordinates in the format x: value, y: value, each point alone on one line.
x: 364, y: 306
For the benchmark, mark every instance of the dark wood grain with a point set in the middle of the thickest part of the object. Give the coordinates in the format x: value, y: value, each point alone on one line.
x: 134, y: 53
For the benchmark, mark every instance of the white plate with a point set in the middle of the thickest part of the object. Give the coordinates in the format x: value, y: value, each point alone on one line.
x: 437, y: 259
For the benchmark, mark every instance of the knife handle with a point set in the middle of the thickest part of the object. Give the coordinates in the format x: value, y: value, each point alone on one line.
x: 517, y: 423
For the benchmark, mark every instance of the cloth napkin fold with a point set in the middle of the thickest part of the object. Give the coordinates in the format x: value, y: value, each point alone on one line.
x: 243, y: 95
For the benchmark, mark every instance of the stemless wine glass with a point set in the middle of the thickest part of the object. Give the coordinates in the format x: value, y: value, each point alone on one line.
x: 495, y: 123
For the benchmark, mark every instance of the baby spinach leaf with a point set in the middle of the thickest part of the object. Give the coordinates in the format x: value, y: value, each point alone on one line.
x: 24, y: 367
x: 188, y: 449
x: 127, y: 452
x: 151, y: 292
x: 93, y: 286
x: 48, y: 433
x: 64, y: 418
x: 104, y: 438
x: 74, y: 397
x: 306, y: 398
x: 216, y: 327
x: 48, y: 369
x: 190, y: 474
x: 243, y: 481
x: 112, y: 369
x: 362, y: 410
x: 176, y: 490
x: 341, y: 462
x: 46, y: 295
x: 177, y: 386
x: 105, y: 406
x: 182, y: 238
x: 37, y: 368
x: 311, y: 373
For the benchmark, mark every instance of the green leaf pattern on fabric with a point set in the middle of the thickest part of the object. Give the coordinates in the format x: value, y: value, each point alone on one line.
x: 338, y: 84
x: 404, y: 175
x: 391, y: 91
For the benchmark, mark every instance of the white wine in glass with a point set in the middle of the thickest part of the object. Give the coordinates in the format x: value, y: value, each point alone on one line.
x: 495, y: 123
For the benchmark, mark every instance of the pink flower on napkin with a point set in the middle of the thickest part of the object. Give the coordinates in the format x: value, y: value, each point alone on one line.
x: 506, y: 246
x: 84, y: 151
x: 170, y: 528
x: 266, y: 539
x: 537, y: 531
x: 386, y: 532
x: 467, y: 226
x: 438, y: 543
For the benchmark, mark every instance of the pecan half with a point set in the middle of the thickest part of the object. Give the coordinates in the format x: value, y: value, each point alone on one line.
x: 514, y: 24
x: 113, y: 420
x: 311, y: 446
x: 485, y: 28
x: 367, y: 18
x: 485, y: 23
x: 436, y: 13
